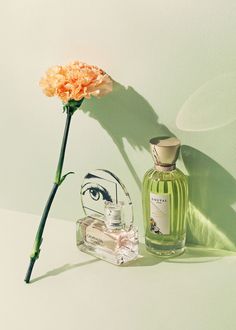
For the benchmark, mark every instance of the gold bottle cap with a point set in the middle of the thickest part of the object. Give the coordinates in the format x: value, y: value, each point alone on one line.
x: 165, y: 151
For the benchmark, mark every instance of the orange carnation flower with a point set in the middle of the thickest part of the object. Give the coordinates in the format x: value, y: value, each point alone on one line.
x: 76, y: 81
x: 71, y: 83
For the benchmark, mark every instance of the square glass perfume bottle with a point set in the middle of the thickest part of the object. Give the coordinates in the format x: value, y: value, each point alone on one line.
x: 106, y: 236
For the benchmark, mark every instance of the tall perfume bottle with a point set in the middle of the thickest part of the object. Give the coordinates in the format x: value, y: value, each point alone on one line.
x: 165, y: 200
x: 106, y: 237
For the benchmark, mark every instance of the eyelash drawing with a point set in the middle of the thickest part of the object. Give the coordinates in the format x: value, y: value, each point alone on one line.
x: 96, y: 191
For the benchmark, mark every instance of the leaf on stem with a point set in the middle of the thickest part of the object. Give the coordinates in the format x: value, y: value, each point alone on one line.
x: 64, y: 176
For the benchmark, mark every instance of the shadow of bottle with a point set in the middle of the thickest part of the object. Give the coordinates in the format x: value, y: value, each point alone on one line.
x: 192, y: 254
x: 124, y: 113
x: 212, y: 191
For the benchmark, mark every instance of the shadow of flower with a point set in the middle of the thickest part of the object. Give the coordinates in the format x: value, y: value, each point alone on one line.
x: 125, y: 114
x: 63, y: 269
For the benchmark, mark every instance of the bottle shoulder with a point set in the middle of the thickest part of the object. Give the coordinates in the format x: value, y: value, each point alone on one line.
x: 90, y: 223
x: 154, y: 174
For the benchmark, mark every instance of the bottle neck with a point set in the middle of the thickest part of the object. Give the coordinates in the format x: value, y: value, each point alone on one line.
x: 165, y: 168
x: 115, y: 228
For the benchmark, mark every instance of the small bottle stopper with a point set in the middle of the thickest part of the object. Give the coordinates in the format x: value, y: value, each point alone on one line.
x: 114, y: 215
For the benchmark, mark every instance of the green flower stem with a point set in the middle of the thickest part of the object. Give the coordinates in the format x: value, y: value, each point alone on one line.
x: 63, y: 149
x: 38, y: 238
x: 70, y: 109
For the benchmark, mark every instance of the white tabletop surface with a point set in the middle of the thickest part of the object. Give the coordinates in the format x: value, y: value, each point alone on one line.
x: 71, y: 290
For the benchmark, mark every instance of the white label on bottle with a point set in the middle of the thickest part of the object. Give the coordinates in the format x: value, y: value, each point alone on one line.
x: 96, y: 236
x: 159, y: 222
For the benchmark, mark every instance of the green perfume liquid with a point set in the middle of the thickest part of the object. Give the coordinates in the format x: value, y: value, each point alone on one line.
x: 165, y: 201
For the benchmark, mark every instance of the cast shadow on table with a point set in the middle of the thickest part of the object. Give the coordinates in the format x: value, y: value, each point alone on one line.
x: 146, y: 259
x: 192, y: 254
x: 125, y: 114
x: 200, y: 254
x: 62, y: 269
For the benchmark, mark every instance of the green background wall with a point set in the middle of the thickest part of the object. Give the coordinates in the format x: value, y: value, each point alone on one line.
x: 174, y: 63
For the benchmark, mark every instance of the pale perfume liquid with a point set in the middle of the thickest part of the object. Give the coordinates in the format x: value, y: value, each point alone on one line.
x: 116, y: 246
x: 165, y: 202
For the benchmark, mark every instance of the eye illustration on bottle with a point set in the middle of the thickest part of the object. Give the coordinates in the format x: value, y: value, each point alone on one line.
x: 96, y: 192
x: 100, y: 186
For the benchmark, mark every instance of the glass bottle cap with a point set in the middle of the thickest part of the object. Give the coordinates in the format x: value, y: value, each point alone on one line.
x: 114, y: 214
x: 165, y: 150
